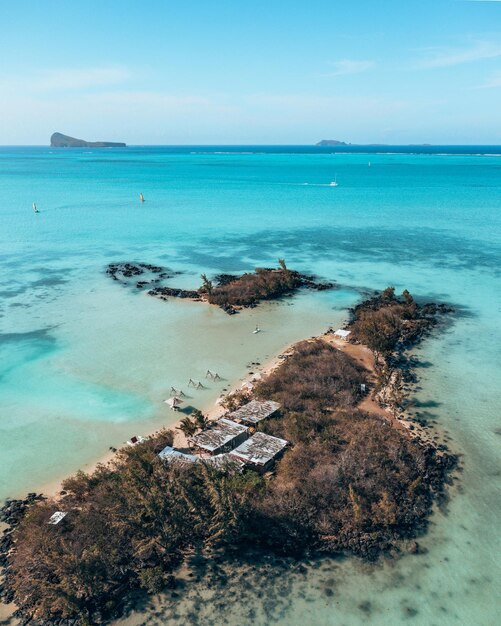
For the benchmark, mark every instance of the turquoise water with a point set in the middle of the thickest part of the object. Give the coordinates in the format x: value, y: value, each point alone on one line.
x: 85, y: 363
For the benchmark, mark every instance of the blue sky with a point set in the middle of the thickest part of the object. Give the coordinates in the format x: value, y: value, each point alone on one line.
x: 253, y: 71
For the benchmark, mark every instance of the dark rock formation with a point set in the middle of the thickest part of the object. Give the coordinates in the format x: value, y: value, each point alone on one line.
x: 123, y: 272
x: 164, y: 292
x: 58, y: 140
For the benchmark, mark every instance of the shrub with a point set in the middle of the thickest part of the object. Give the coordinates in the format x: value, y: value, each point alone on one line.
x: 249, y: 289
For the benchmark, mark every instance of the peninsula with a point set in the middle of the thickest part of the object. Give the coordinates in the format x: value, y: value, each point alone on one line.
x: 313, y: 458
x: 58, y: 140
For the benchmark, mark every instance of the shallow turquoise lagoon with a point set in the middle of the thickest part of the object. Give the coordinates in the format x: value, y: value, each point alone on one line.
x: 85, y: 363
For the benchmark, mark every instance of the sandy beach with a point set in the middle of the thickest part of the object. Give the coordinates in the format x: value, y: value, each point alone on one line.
x: 215, y: 411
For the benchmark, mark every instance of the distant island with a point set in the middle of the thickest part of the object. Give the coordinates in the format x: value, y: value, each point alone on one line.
x: 335, y: 142
x: 331, y: 142
x: 58, y: 140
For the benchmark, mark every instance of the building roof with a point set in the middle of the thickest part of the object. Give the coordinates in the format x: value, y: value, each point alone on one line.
x: 170, y: 454
x: 255, y: 411
x: 224, y: 462
x: 342, y: 333
x: 259, y: 449
x: 222, y: 433
x: 56, y: 517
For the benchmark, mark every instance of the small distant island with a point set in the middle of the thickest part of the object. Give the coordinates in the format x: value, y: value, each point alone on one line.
x: 58, y: 140
x: 331, y: 142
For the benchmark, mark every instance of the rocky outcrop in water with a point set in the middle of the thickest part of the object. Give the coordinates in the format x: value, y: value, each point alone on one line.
x: 227, y: 291
x: 172, y: 292
x: 123, y: 271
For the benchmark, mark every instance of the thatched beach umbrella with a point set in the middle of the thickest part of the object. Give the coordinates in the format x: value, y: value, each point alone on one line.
x: 174, y: 402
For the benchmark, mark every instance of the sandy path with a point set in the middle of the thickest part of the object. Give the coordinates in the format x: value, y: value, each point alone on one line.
x: 362, y: 355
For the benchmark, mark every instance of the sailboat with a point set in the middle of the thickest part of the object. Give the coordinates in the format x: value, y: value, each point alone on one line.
x: 141, y: 197
x: 334, y: 182
x: 35, y: 207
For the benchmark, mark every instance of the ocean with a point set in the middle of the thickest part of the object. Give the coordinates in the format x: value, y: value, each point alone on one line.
x: 86, y: 362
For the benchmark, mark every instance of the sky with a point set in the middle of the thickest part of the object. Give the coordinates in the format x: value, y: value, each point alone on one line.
x: 251, y: 71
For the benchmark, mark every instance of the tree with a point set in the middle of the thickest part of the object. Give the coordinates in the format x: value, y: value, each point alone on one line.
x: 187, y: 427
x: 282, y: 264
x: 207, y: 284
x: 388, y: 294
x: 379, y: 330
x: 199, y: 418
x: 407, y: 298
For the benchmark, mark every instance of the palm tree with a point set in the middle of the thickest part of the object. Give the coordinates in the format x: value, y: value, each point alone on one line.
x: 187, y: 427
x: 200, y: 420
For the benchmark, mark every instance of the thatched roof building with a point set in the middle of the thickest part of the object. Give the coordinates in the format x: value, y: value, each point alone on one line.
x: 260, y: 451
x: 222, y: 437
x: 254, y: 411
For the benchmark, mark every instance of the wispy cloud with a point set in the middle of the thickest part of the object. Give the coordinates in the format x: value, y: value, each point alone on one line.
x: 80, y: 78
x: 66, y: 79
x: 313, y: 106
x: 492, y: 82
x: 149, y: 100
x: 344, y: 67
x: 448, y: 57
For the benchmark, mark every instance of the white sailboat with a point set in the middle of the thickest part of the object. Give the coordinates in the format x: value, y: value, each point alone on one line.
x: 334, y: 182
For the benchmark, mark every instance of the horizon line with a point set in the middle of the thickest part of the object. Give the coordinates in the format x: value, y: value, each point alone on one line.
x: 302, y: 145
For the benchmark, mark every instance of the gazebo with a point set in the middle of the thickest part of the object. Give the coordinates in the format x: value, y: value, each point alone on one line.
x: 175, y: 402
